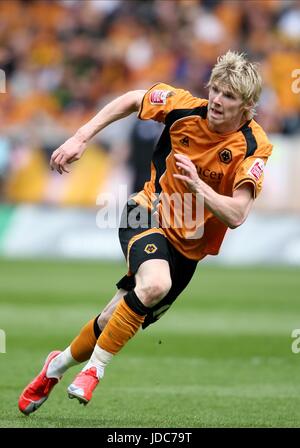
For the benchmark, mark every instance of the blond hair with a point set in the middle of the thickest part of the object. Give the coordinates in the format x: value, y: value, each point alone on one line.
x: 241, y: 76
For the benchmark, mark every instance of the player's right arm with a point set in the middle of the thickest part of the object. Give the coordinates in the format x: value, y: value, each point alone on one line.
x: 74, y: 147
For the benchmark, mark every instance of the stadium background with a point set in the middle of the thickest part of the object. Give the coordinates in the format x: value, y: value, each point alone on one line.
x: 228, y: 341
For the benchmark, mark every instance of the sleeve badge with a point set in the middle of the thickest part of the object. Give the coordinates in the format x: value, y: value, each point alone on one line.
x: 159, y: 96
x: 256, y: 169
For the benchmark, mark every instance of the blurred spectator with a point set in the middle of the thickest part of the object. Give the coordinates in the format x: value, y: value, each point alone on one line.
x: 60, y: 68
x: 4, y: 162
x: 142, y: 141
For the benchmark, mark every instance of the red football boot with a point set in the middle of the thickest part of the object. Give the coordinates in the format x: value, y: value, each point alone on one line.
x: 37, y: 392
x: 83, y: 385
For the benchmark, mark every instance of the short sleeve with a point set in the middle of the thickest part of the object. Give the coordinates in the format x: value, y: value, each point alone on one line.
x: 162, y: 98
x: 252, y: 168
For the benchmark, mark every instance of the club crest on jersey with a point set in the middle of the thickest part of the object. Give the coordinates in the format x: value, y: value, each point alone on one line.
x: 185, y: 141
x: 256, y: 169
x: 159, y: 96
x: 225, y: 155
x: 150, y: 248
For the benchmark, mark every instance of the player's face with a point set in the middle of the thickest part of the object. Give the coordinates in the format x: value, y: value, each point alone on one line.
x: 225, y: 109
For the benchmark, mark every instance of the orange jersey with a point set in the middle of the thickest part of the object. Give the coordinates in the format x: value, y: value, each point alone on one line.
x: 223, y: 161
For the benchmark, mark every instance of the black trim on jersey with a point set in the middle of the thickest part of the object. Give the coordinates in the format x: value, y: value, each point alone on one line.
x: 250, y: 139
x: 161, y: 152
x: 176, y: 114
x: 164, y: 147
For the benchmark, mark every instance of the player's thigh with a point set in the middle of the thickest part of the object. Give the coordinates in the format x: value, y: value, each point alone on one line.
x: 143, y: 241
x: 153, y: 281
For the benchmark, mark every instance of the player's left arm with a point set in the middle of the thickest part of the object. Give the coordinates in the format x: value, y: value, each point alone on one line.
x: 232, y: 211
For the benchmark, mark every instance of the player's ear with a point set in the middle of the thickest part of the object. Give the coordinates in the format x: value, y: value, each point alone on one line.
x: 248, y: 110
x: 248, y: 106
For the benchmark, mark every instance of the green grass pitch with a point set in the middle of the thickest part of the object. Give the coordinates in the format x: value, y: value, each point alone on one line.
x: 221, y: 357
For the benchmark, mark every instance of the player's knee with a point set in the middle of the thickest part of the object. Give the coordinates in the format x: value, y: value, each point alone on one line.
x: 150, y: 292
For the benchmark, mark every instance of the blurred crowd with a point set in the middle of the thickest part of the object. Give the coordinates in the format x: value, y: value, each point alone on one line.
x: 65, y: 59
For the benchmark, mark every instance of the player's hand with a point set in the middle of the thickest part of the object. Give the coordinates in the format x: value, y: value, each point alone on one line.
x: 188, y: 172
x: 66, y: 154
